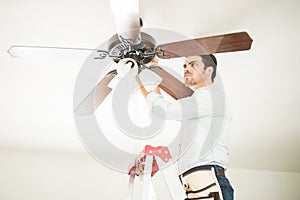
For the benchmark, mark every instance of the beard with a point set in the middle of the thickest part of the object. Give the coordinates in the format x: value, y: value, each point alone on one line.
x: 189, y: 83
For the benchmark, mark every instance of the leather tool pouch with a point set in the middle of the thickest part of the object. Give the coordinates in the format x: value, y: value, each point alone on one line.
x: 202, y: 184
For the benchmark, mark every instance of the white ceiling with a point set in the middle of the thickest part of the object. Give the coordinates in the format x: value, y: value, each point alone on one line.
x: 36, y: 93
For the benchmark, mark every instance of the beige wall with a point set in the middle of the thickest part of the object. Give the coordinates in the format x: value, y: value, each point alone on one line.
x: 76, y: 176
x: 264, y: 185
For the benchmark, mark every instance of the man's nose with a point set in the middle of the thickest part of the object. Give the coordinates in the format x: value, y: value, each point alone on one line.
x: 187, y: 67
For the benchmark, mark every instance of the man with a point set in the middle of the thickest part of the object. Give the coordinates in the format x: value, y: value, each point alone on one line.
x: 202, y: 166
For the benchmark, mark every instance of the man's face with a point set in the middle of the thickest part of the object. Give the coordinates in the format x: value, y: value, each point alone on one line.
x: 194, y: 72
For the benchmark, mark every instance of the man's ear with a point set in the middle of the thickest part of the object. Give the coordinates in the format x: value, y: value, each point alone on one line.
x: 209, y: 70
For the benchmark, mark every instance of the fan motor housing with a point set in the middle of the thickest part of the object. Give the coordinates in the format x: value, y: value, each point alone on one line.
x: 142, y: 52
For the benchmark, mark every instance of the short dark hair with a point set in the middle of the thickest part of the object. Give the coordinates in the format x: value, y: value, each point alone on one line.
x: 210, y: 61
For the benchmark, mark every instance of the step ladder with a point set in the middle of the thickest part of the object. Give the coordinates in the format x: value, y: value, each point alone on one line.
x: 158, y: 182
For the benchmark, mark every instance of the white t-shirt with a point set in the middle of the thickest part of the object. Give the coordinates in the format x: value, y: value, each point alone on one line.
x: 205, y: 118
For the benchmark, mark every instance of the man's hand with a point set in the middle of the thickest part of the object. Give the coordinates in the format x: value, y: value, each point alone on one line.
x: 157, y: 90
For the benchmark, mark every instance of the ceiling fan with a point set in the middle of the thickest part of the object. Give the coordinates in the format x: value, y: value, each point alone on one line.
x: 131, y: 44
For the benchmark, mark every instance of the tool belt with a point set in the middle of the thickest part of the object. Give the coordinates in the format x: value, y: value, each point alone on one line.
x: 201, y: 183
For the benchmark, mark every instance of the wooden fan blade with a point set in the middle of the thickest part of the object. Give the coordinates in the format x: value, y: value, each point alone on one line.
x: 96, y: 96
x: 127, y: 18
x: 172, y: 85
x: 208, y: 45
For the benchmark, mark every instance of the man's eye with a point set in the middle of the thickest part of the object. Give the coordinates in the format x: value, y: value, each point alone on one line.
x: 184, y: 66
x: 194, y: 64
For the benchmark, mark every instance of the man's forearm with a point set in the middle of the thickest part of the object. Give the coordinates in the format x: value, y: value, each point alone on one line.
x: 143, y: 89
